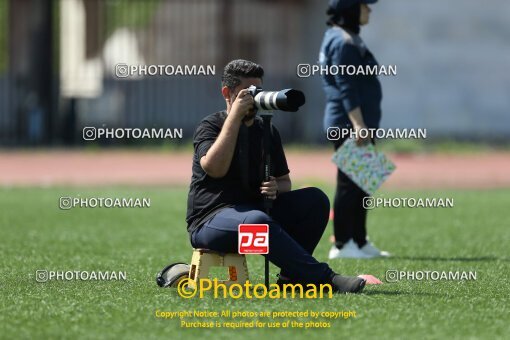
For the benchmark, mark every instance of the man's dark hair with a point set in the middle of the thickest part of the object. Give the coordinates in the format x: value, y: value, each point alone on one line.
x: 240, y: 68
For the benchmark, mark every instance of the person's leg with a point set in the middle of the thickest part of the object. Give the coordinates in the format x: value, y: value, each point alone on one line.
x: 359, y: 221
x: 353, y: 223
x: 303, y: 214
x: 221, y: 234
x: 360, y: 232
x: 345, y: 205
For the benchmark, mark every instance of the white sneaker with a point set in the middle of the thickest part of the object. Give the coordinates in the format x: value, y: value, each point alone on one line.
x: 372, y: 251
x: 349, y: 250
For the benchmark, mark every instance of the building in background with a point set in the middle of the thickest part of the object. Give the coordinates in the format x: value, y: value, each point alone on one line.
x: 57, y: 64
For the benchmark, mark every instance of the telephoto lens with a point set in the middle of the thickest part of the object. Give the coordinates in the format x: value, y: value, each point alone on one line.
x: 285, y: 100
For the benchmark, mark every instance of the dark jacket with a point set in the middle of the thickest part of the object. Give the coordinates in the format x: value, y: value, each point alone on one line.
x: 346, y: 92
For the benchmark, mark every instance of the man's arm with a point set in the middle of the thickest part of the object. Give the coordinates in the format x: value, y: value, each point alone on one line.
x: 284, y: 183
x: 276, y: 186
x: 348, y: 87
x: 216, y: 161
x: 358, y: 123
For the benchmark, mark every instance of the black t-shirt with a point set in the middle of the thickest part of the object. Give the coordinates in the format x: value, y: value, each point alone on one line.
x: 207, y: 195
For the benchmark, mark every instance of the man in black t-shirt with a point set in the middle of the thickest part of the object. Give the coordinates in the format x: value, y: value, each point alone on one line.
x: 227, y: 188
x: 209, y: 194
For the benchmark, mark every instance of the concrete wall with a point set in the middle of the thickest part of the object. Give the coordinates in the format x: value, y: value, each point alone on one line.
x: 453, y: 62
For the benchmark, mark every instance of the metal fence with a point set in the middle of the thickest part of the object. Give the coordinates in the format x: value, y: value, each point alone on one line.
x: 50, y: 92
x: 58, y: 58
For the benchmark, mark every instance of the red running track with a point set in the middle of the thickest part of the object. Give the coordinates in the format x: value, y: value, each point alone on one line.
x: 81, y: 168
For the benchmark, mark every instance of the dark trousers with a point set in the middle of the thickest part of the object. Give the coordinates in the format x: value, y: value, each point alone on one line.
x: 350, y: 216
x: 298, y: 220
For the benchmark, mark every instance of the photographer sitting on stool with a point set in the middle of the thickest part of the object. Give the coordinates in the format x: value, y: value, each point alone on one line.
x: 227, y: 189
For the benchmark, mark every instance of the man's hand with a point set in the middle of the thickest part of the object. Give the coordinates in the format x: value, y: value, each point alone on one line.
x: 242, y: 105
x: 270, y: 189
x: 359, y: 124
x: 359, y: 140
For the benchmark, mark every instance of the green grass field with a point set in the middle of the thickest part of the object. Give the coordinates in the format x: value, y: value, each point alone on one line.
x: 36, y: 234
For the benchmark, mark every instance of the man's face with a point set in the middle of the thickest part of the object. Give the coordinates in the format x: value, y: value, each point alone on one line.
x: 364, y: 14
x: 245, y: 83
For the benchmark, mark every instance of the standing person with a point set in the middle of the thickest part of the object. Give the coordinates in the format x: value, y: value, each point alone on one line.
x: 227, y: 189
x: 354, y: 103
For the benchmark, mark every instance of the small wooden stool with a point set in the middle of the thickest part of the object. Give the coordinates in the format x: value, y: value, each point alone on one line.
x: 204, y: 259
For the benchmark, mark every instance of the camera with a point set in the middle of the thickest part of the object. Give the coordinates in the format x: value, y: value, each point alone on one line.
x: 285, y: 100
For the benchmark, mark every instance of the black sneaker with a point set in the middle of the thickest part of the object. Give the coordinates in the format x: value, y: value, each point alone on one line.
x: 347, y: 284
x: 340, y: 284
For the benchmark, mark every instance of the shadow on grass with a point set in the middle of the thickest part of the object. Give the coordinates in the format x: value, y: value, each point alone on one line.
x: 451, y: 259
x: 396, y: 293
